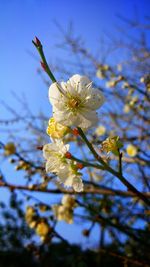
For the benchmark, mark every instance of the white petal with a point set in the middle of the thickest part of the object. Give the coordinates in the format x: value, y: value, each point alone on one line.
x: 88, y: 119
x: 51, y: 166
x: 65, y: 177
x: 54, y: 94
x: 66, y: 117
x: 63, y: 117
x: 63, y: 148
x: 77, y: 184
x: 75, y: 79
x: 95, y: 101
x: 47, y: 150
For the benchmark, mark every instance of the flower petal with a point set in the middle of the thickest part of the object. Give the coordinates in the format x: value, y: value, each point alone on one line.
x: 95, y: 101
x: 77, y: 184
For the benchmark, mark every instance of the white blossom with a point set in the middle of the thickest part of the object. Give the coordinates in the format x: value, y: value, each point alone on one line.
x: 54, y: 153
x: 56, y: 162
x: 75, y: 102
x: 68, y: 201
x: 71, y: 178
x: 64, y: 211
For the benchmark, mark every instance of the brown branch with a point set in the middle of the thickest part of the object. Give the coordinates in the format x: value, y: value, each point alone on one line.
x: 88, y: 190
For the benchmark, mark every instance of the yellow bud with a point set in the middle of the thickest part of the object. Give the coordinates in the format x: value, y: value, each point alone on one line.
x: 133, y: 101
x: 100, y: 130
x: 31, y: 186
x: 111, y: 83
x: 146, y: 79
x: 142, y: 79
x: 43, y: 238
x: 9, y: 149
x: 105, y: 67
x: 56, y: 130
x: 22, y: 166
x: 43, y: 185
x: 126, y: 109
x: 17, y: 168
x: 125, y: 85
x: 131, y: 150
x: 68, y: 201
x: 112, y: 144
x: 43, y: 208
x: 42, y: 229
x: 29, y: 215
x: 100, y: 74
x: 30, y: 211
x: 25, y: 166
x: 32, y: 224
x: 63, y: 213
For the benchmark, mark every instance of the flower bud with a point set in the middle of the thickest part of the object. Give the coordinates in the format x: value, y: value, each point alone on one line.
x: 146, y: 81
x: 37, y: 42
x: 75, y: 132
x: 42, y: 228
x: 100, y: 130
x: 43, y: 66
x: 40, y: 147
x: 80, y: 166
x: 9, y: 149
x: 12, y: 160
x: 68, y: 155
x: 131, y: 150
x: 86, y: 232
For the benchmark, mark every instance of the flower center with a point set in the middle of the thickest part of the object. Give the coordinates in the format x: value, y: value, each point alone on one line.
x: 73, y: 103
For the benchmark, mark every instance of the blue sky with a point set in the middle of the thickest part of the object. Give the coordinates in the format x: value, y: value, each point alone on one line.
x: 20, y: 21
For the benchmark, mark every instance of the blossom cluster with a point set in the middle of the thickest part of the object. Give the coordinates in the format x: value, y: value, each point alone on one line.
x: 74, y: 104
x: 56, y: 162
x: 40, y: 225
x: 64, y: 211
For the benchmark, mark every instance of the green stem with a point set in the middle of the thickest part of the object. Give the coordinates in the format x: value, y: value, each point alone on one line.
x: 87, y: 164
x: 47, y: 69
x: 110, y: 170
x: 98, y: 158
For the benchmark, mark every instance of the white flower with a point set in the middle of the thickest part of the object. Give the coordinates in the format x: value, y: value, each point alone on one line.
x: 54, y: 153
x: 56, y: 162
x: 68, y: 201
x: 62, y: 213
x: 70, y: 178
x: 77, y: 183
x: 75, y: 102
